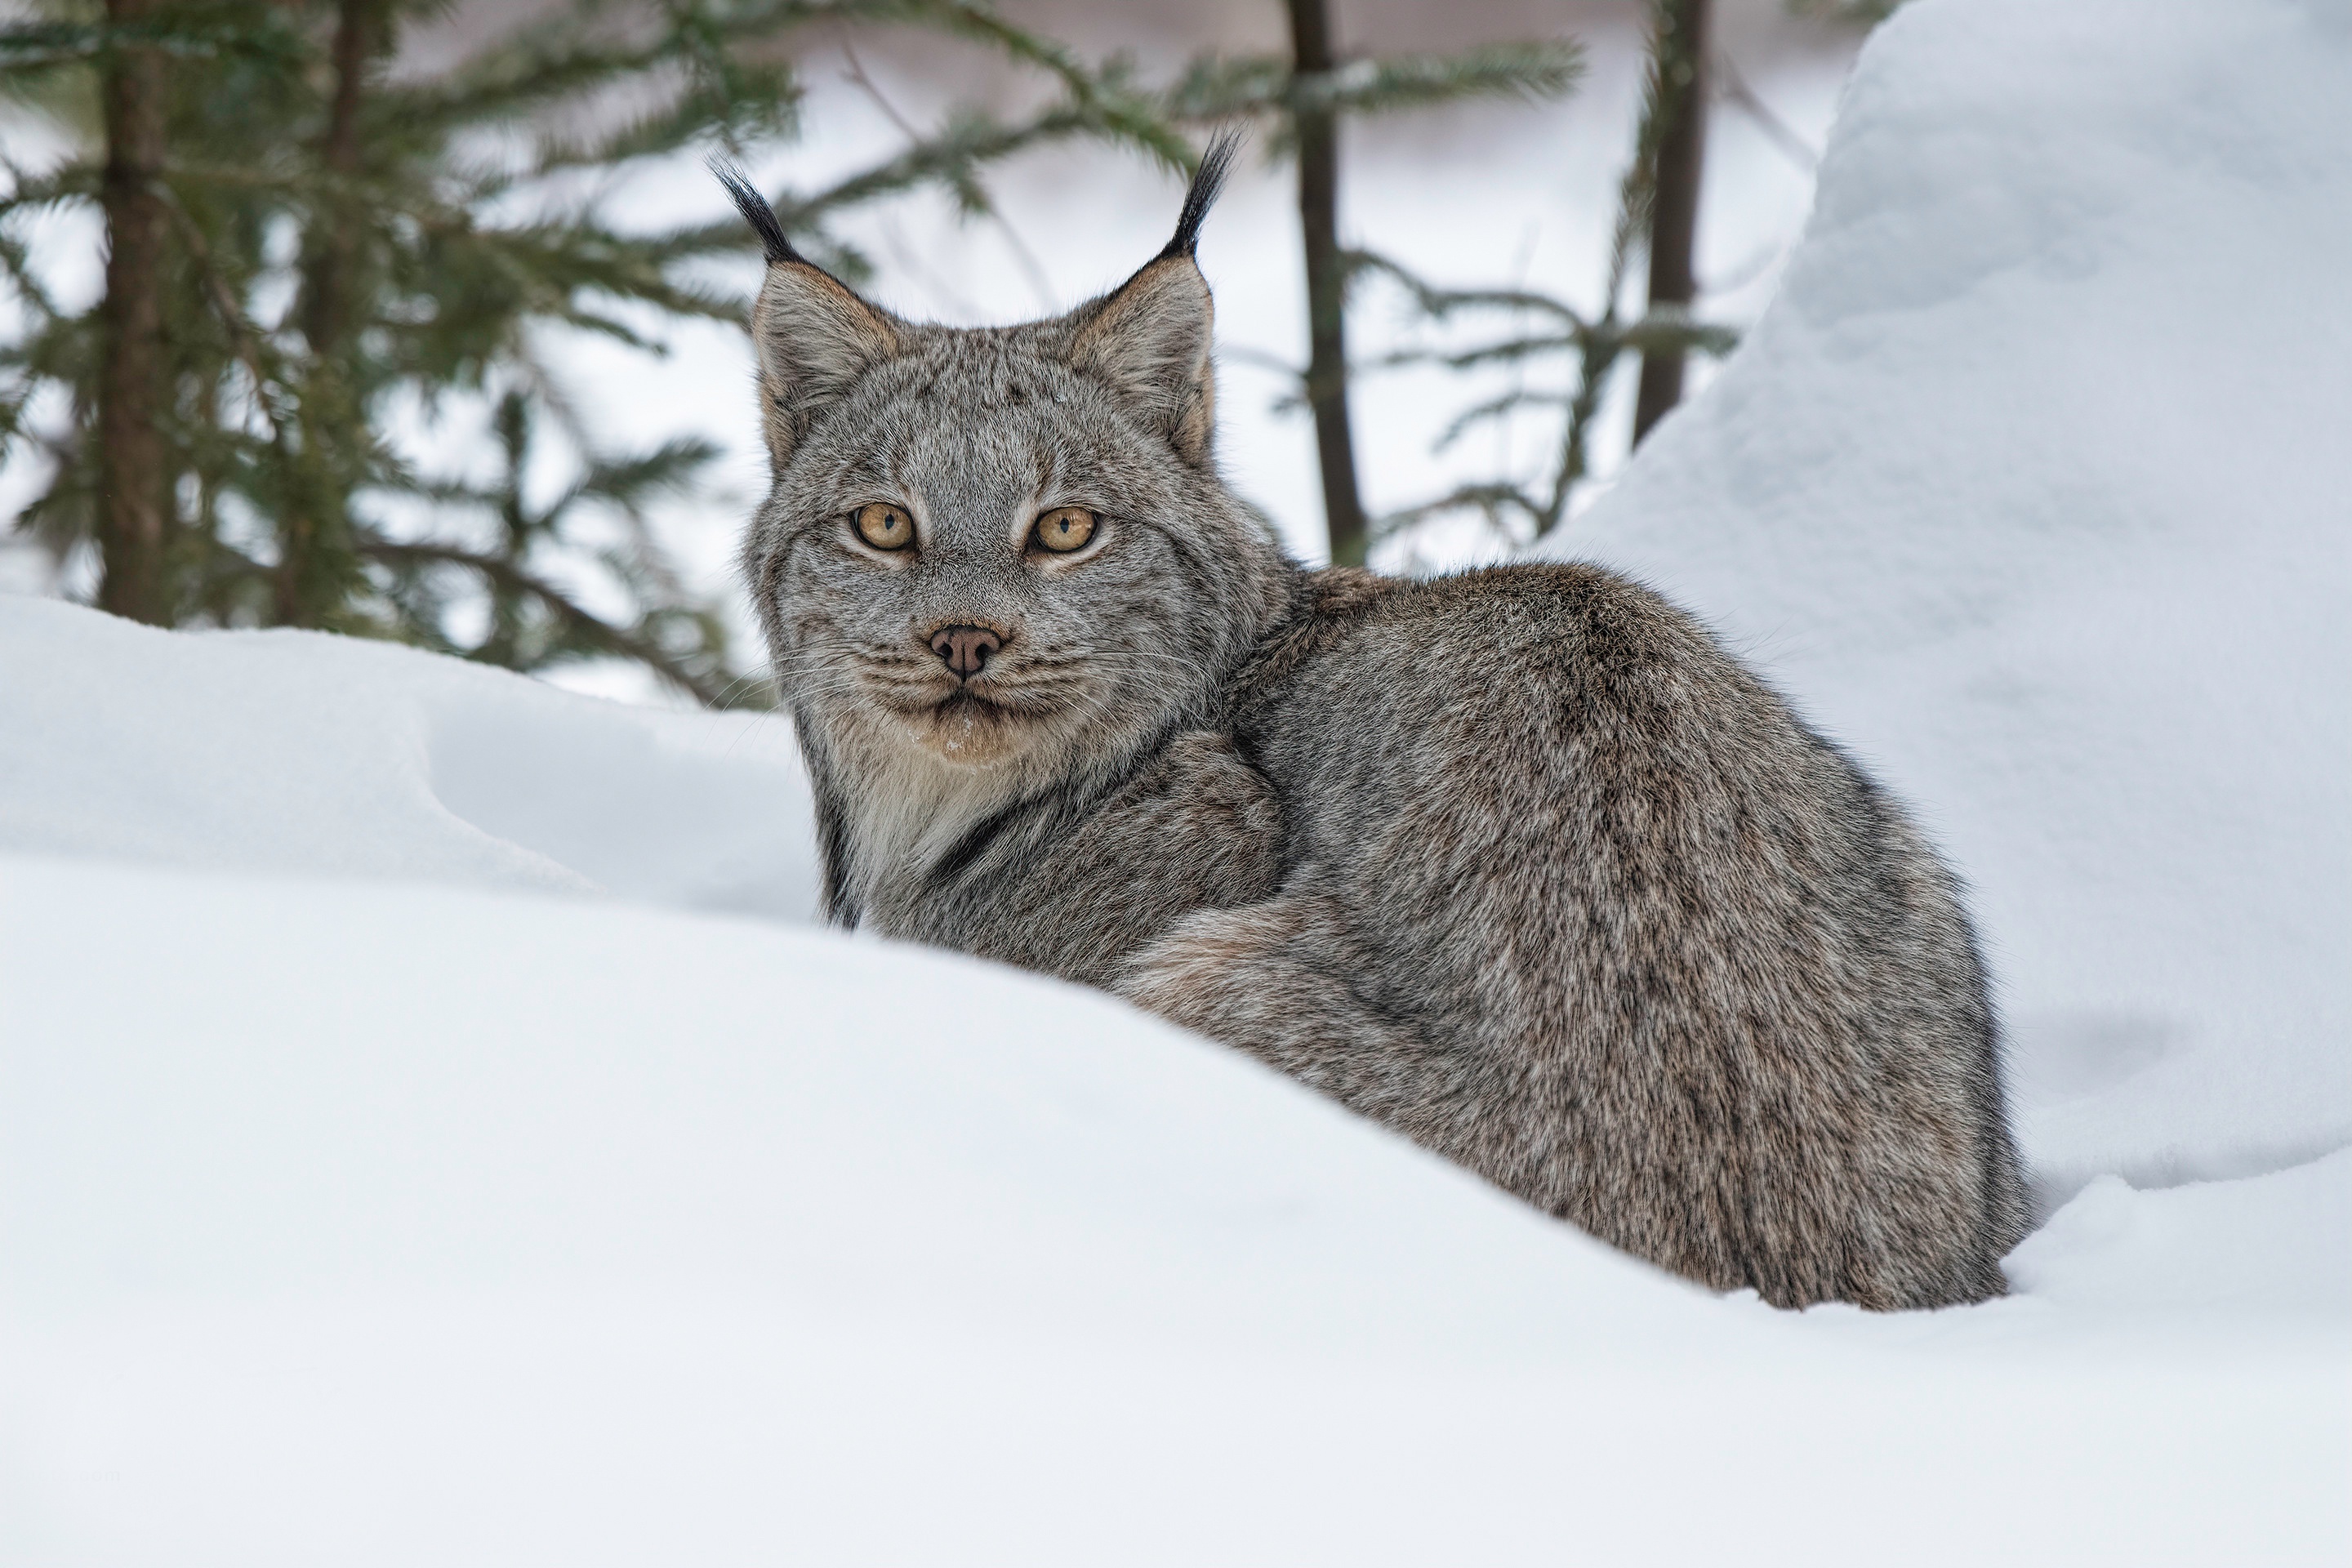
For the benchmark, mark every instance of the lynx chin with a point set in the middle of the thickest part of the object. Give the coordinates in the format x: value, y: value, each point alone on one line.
x: 1521, y: 863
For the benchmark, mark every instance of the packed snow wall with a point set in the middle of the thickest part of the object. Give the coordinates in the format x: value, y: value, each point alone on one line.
x: 2032, y: 488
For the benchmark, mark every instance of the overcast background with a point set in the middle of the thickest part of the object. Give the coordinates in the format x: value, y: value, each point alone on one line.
x: 1492, y: 194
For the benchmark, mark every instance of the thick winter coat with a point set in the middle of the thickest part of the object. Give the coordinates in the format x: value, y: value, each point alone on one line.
x: 1522, y: 862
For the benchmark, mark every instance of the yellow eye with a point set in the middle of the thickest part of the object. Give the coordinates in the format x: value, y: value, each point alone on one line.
x: 884, y: 526
x: 1064, y: 529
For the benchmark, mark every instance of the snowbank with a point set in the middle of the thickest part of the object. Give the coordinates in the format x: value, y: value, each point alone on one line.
x: 389, y: 1224
x: 402, y: 1159
x: 2030, y: 487
x: 297, y: 751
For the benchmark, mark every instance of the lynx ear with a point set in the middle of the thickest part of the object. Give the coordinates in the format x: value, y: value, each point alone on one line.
x: 1151, y: 342
x: 1151, y: 337
x: 815, y: 340
x: 814, y: 337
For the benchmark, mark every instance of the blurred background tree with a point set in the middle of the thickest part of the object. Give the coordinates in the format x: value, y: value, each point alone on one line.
x: 1307, y: 96
x: 1855, y: 13
x: 1656, y: 220
x: 305, y: 247
x: 325, y: 252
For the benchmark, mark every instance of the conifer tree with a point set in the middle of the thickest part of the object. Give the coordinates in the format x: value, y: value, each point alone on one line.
x: 1855, y: 13
x: 1543, y: 330
x: 302, y: 243
x: 1681, y: 40
x: 348, y: 242
x: 133, y: 483
x: 1318, y: 130
x: 1309, y: 96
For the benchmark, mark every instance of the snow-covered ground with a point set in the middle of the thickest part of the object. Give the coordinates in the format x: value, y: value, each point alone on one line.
x: 374, y: 1189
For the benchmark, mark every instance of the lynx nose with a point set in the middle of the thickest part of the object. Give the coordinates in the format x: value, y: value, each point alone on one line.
x: 965, y: 649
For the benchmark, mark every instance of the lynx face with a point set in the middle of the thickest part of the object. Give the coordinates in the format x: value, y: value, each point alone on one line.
x: 989, y: 559
x: 913, y: 595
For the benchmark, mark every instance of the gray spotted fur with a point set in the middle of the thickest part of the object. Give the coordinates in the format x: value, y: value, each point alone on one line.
x: 1520, y: 862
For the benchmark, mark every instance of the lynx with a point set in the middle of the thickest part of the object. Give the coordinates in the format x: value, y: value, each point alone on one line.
x: 1521, y: 863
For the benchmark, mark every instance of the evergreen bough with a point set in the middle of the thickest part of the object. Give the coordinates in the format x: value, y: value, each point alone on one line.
x: 336, y: 244
x: 326, y: 245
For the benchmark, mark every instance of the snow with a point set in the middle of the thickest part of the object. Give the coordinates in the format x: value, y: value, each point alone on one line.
x: 395, y: 1223
x: 297, y: 751
x: 430, y: 1130
x: 2030, y: 486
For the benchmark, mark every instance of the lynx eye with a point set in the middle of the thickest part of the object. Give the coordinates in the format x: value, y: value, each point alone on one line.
x: 1063, y: 530
x: 884, y: 526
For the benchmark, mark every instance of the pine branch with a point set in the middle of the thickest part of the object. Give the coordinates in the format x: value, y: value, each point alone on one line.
x: 1440, y: 303
x: 244, y: 341
x: 592, y: 632
x: 1494, y: 408
x: 1526, y: 71
x: 1217, y: 88
x: 1492, y: 501
x: 1101, y: 98
x: 256, y: 32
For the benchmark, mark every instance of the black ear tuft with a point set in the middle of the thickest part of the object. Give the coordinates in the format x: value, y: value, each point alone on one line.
x: 1207, y: 180
x: 756, y: 212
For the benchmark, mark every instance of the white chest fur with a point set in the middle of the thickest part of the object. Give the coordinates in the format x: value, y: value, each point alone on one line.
x: 908, y: 806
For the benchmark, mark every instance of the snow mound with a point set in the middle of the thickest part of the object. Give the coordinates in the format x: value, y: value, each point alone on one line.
x: 398, y: 1223
x: 2030, y: 487
x: 372, y: 1192
x: 297, y: 751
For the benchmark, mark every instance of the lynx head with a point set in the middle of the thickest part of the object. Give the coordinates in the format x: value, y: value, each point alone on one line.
x: 1000, y: 554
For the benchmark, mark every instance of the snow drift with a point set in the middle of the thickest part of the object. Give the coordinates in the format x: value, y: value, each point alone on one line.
x: 425, y: 1134
x: 299, y: 752
x: 2031, y: 487
x: 390, y: 1224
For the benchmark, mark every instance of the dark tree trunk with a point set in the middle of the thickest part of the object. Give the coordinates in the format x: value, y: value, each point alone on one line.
x: 316, y: 557
x: 1319, y: 218
x: 326, y: 316
x: 135, y: 485
x: 1682, y: 44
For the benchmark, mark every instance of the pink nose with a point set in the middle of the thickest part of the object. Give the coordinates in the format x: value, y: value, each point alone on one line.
x: 965, y: 649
